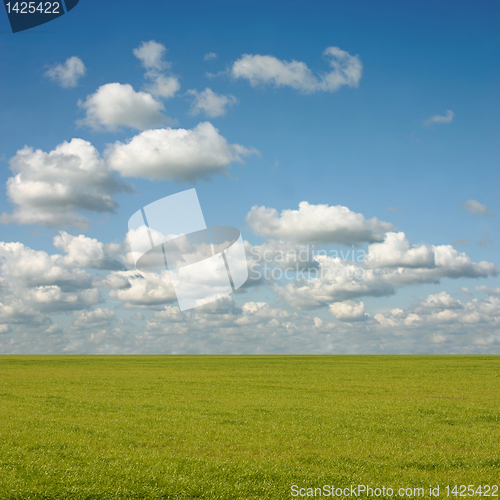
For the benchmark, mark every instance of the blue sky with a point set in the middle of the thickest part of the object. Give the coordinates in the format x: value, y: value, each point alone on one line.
x: 406, y: 134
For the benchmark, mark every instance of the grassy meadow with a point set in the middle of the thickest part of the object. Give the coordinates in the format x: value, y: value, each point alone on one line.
x: 244, y: 427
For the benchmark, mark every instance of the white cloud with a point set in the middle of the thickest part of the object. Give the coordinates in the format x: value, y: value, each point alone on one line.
x: 210, y: 103
x: 476, y: 208
x: 163, y: 86
x: 317, y: 224
x: 440, y: 119
x: 67, y: 74
x: 396, y: 251
x: 318, y: 322
x: 260, y: 70
x: 115, y: 105
x: 41, y: 282
x: 441, y: 300
x: 51, y: 189
x: 145, y: 289
x: 450, y: 316
x: 85, y: 252
x: 151, y: 54
x: 339, y: 280
x: 348, y: 311
x: 209, y: 56
x: 98, y: 317
x: 14, y: 311
x: 176, y: 154
x: 412, y: 319
x: 34, y: 268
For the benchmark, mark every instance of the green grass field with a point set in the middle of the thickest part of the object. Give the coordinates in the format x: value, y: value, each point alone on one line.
x: 244, y: 427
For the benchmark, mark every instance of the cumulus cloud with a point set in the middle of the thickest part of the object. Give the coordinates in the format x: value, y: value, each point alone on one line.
x: 143, y: 289
x: 338, y: 280
x: 67, y: 74
x: 209, y: 56
x: 348, y: 311
x: 117, y: 105
x: 440, y: 311
x: 441, y: 300
x: 176, y: 154
x: 210, y: 103
x: 476, y: 208
x: 35, y: 285
x: 82, y: 251
x: 51, y: 189
x: 34, y: 268
x: 151, y: 54
x: 396, y: 251
x: 440, y: 119
x: 163, y: 86
x: 317, y: 224
x: 41, y: 282
x: 261, y: 70
x: 94, y: 318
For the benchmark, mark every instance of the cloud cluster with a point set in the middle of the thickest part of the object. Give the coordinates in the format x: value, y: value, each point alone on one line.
x: 151, y: 54
x: 446, y: 317
x: 89, y: 282
x: 388, y: 266
x: 38, y: 284
x: 35, y: 285
x: 57, y: 188
x: 52, y: 189
x: 262, y: 70
x: 116, y: 105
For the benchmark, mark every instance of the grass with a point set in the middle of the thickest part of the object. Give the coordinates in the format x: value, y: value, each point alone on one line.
x: 244, y: 427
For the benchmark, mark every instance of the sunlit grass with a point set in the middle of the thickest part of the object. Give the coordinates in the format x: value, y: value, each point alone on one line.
x: 243, y: 427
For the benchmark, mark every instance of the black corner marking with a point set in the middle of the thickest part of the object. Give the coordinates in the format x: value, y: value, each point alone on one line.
x: 28, y: 14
